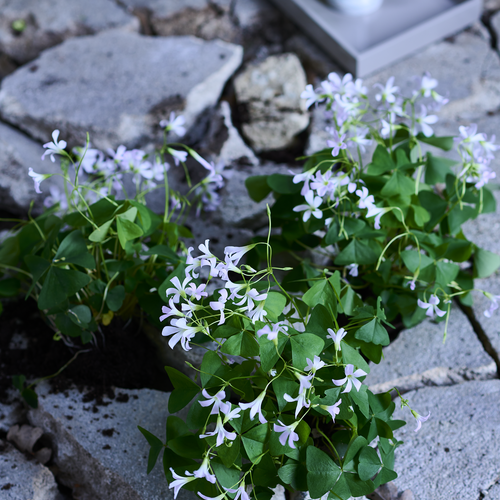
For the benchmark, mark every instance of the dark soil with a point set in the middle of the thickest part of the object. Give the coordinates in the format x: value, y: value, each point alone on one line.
x: 122, y: 357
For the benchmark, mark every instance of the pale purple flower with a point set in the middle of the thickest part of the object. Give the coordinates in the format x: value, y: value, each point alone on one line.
x: 342, y: 86
x: 489, y: 147
x: 485, y: 175
x: 314, y: 365
x: 469, y: 134
x: 336, y: 142
x: 420, y: 419
x: 179, y: 156
x: 196, y: 291
x: 493, y: 306
x: 258, y: 313
x: 219, y: 305
x: 232, y: 414
x: 218, y: 497
x: 192, y: 263
x: 313, y: 202
x: 427, y: 84
x: 180, y: 331
x: 374, y: 211
x: 304, y: 177
x: 221, y: 433
x: 234, y: 254
x: 310, y: 95
x: 305, y: 381
x: 216, y: 401
x: 323, y: 183
x: 56, y: 197
x: 359, y: 138
x: 351, y: 377
x: 91, y: 160
x: 179, y: 290
x: 333, y: 410
x: 412, y: 284
x: 287, y: 433
x: 175, y: 124
x: 336, y: 337
x: 272, y: 333
x: 250, y: 296
x: 431, y: 307
x: 240, y: 492
x: 170, y: 311
x: 178, y: 482
x: 301, y: 400
x: 38, y: 179
x: 353, y: 269
x: 365, y: 198
x: 255, y: 407
x: 387, y: 92
x: 423, y: 121
x: 203, y: 472
x: 54, y: 147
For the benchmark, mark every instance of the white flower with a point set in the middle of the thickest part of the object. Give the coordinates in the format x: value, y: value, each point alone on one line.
x: 54, y: 147
x: 216, y: 401
x: 431, y: 307
x: 304, y: 177
x: 377, y: 212
x: 494, y: 304
x: 353, y: 269
x: 337, y: 142
x: 255, y: 407
x: 333, y: 410
x: 272, y: 334
x: 192, y: 263
x: 342, y: 86
x: 38, y: 179
x: 315, y: 365
x: 179, y: 482
x: 180, y: 332
x: 424, y: 121
x: 387, y: 92
x: 174, y: 124
x: 170, y: 311
x: 179, y: 290
x: 420, y: 419
x: 310, y: 95
x: 203, y: 472
x: 336, y: 337
x: 366, y: 199
x: 231, y: 415
x: 301, y: 400
x: 179, y: 156
x: 427, y: 84
x: 324, y: 183
x: 240, y: 492
x: 196, y: 291
x: 219, y: 305
x: 234, y: 254
x: 220, y: 432
x: 313, y: 202
x: 351, y: 377
x: 258, y: 313
x: 359, y: 138
x: 470, y: 135
x: 288, y: 433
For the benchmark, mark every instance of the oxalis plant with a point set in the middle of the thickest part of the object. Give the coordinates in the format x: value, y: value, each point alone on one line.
x: 97, y: 252
x: 279, y: 398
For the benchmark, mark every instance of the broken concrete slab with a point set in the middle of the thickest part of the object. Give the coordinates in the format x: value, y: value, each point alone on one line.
x: 421, y: 348
x: 97, y: 85
x: 17, y: 154
x: 455, y: 454
x: 97, y: 447
x: 21, y: 478
x: 270, y: 91
x: 27, y: 27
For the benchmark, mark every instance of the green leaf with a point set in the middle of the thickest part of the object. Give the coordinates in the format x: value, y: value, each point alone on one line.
x: 373, y: 332
x: 381, y: 162
x: 385, y: 476
x: 30, y: 396
x: 99, y: 234
x: 269, y: 353
x: 242, y: 344
x: 188, y: 446
x: 359, y: 488
x: 80, y: 315
x: 227, y: 477
x: 360, y: 398
x: 305, y: 345
x: 163, y: 251
x: 458, y: 216
x: 282, y: 386
x: 9, y: 287
x: 322, y: 472
x: 399, y: 185
x: 185, y: 390
x: 446, y: 272
x: 229, y: 451
x: 356, y: 252
x: 320, y: 293
x: 59, y: 285
x: 115, y: 297
x: 437, y: 168
x: 369, y: 463
x: 420, y: 215
x: 444, y: 143
x: 413, y: 260
x: 355, y: 445
x: 156, y: 446
x: 350, y: 355
x: 127, y: 230
x: 73, y: 249
x: 254, y: 442
x: 350, y: 301
x: 485, y: 263
x: 257, y: 187
x: 209, y: 366
x: 282, y: 184
x: 274, y: 305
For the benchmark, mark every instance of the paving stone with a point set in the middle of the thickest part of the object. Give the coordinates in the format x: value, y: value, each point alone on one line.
x: 49, y: 22
x: 23, y: 479
x: 455, y: 454
x: 421, y: 348
x: 270, y: 93
x: 17, y: 154
x: 139, y: 81
x: 97, y: 447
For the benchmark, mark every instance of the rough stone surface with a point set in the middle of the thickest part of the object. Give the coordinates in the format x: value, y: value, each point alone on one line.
x: 421, y: 348
x: 318, y: 134
x: 22, y: 479
x: 11, y: 413
x: 270, y: 92
x: 17, y: 154
x: 139, y: 81
x: 455, y: 454
x: 49, y: 22
x: 98, y: 449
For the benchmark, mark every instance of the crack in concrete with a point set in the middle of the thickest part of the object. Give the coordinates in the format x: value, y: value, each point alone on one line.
x: 485, y: 492
x: 486, y: 21
x: 481, y: 334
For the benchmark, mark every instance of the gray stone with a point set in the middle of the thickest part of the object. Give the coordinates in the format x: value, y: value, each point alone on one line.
x: 270, y: 91
x: 117, y: 86
x: 12, y: 412
x: 455, y: 454
x: 25, y: 437
x: 421, y: 348
x: 202, y: 18
x: 492, y: 4
x: 318, y: 134
x: 17, y: 154
x: 98, y: 449
x: 22, y: 479
x: 250, y: 14
x: 49, y: 22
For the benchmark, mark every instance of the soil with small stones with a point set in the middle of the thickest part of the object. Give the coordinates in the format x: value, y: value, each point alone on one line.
x: 122, y: 357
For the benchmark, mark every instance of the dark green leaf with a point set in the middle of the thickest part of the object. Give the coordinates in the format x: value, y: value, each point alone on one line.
x: 73, y: 249
x: 381, y: 162
x: 242, y: 344
x: 356, y: 252
x: 322, y: 472
x: 115, y: 297
x: 59, y: 285
x: 369, y: 463
x: 254, y: 442
x: 185, y: 390
x: 304, y: 346
x: 444, y: 143
x: 257, y: 187
x: 156, y: 446
x: 282, y: 184
x: 373, y: 332
x: 485, y: 263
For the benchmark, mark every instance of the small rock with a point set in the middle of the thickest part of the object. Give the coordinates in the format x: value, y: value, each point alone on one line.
x: 27, y: 27
x: 99, y: 452
x: 7, y: 66
x: 12, y: 412
x: 117, y: 86
x: 318, y: 134
x: 270, y: 92
x: 407, y: 495
x: 252, y: 14
x: 25, y: 438
x: 17, y: 154
x: 23, y: 479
